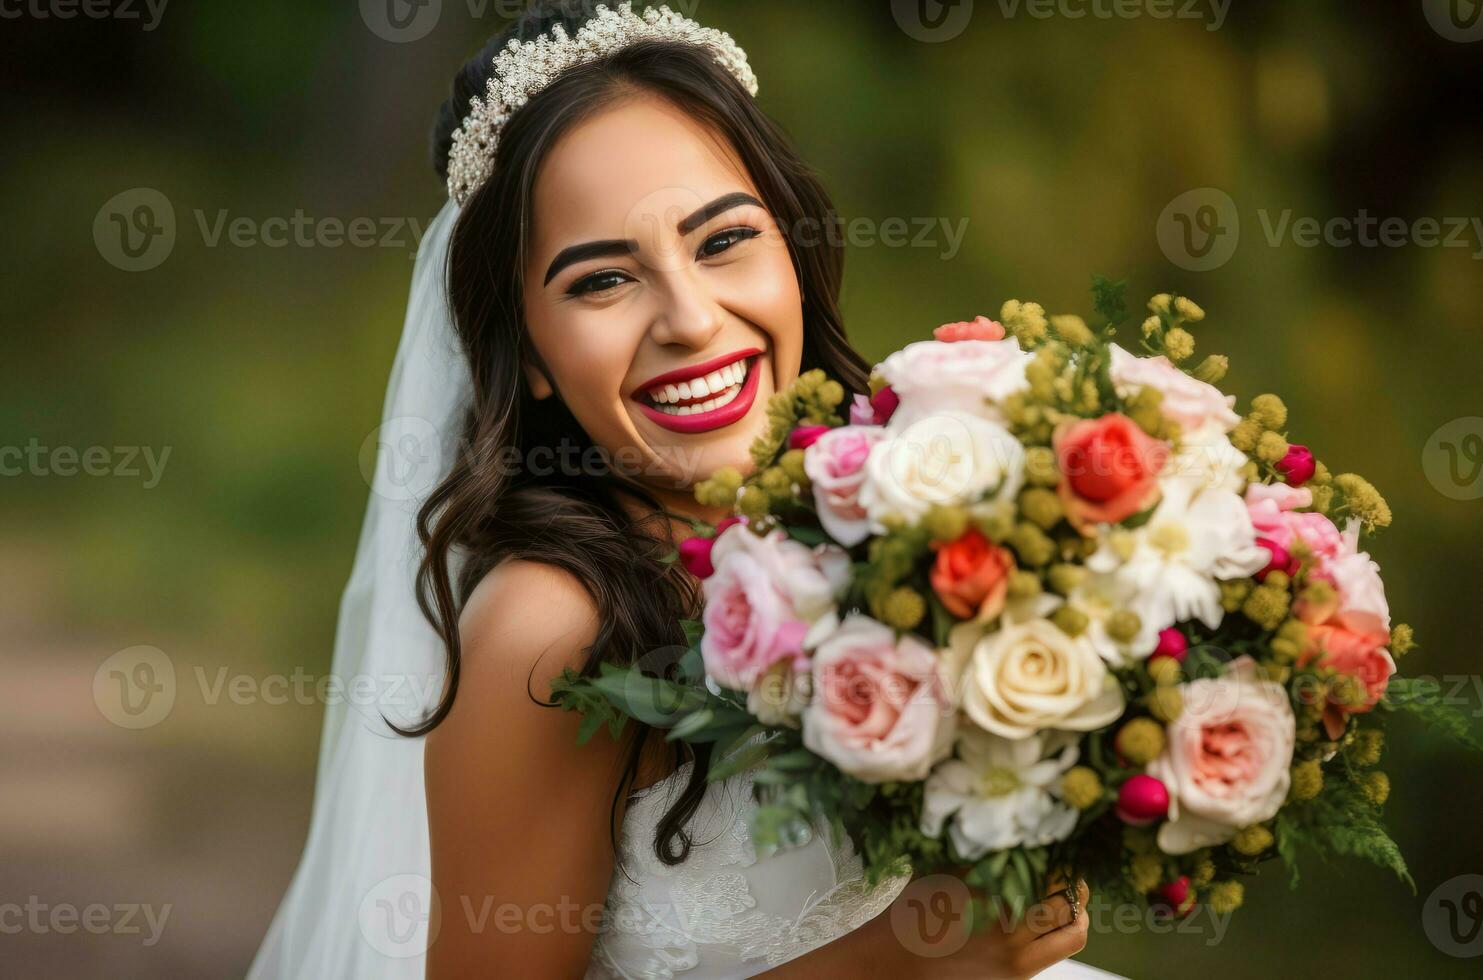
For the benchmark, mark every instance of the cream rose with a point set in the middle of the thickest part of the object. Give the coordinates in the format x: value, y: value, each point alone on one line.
x: 966, y: 376
x: 1028, y: 676
x: 1227, y: 761
x: 945, y: 458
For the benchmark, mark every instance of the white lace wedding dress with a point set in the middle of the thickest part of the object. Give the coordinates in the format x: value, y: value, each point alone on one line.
x: 723, y: 913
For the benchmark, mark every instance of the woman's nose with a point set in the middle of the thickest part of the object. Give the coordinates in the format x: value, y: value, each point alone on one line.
x: 689, y: 314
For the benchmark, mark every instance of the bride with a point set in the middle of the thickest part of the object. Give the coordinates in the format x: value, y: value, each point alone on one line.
x: 621, y: 278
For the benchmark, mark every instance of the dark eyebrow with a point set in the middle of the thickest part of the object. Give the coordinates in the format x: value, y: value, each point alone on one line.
x: 597, y: 250
x: 720, y: 205
x: 589, y: 250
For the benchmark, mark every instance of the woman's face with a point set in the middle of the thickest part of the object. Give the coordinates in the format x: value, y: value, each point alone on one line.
x: 659, y: 293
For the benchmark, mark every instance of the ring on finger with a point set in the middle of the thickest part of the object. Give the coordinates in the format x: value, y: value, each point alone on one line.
x: 1073, y: 899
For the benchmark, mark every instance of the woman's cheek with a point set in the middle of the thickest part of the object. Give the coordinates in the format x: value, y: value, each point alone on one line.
x: 764, y: 291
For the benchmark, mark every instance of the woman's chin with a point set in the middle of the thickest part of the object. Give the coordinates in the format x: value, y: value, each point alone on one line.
x: 690, y: 457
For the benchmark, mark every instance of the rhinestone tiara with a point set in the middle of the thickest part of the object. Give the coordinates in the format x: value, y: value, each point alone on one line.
x: 523, y: 69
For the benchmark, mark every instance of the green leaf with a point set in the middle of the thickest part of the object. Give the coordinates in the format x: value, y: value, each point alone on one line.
x: 774, y: 777
x: 796, y: 759
x: 1422, y: 700
x: 1109, y: 299
x: 744, y: 758
x: 692, y: 724
x: 997, y: 863
x: 693, y: 629
x: 805, y: 534
x: 589, y: 726
x: 942, y: 620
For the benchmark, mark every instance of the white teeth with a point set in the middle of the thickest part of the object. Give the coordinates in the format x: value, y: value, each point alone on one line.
x: 725, y: 384
x: 728, y: 384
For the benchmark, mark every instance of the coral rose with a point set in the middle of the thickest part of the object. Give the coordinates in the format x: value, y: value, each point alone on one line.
x: 1109, y: 469
x: 971, y: 577
x: 1354, y: 654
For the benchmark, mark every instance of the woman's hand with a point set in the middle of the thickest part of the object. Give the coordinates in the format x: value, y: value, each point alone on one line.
x: 929, y: 922
x: 924, y: 934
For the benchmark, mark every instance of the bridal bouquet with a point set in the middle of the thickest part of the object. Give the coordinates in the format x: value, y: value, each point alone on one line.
x: 1041, y: 603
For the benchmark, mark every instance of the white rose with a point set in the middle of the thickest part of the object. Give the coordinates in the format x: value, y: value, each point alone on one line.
x: 1027, y: 676
x: 945, y: 458
x: 966, y: 376
x: 1189, y: 401
x: 1226, y: 764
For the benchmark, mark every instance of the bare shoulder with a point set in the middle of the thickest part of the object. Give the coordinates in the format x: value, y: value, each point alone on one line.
x: 522, y: 625
x: 526, y: 615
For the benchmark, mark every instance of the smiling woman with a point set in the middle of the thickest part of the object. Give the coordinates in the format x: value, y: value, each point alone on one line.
x: 621, y: 286
x: 659, y: 264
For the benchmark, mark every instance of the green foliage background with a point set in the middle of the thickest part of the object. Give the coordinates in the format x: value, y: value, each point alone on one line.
x: 1060, y: 140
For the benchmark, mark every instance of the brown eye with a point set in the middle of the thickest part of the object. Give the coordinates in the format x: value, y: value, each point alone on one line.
x: 598, y: 282
x: 721, y: 241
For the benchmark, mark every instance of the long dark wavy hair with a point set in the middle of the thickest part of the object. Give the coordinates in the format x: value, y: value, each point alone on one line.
x: 483, y: 513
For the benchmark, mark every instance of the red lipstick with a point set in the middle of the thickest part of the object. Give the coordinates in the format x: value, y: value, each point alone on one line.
x: 701, y: 421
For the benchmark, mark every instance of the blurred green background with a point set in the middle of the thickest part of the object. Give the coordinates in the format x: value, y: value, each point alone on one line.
x: 1061, y: 140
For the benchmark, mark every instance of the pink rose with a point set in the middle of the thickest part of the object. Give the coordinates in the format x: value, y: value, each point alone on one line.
x: 1362, y: 603
x: 970, y: 376
x: 1192, y: 403
x: 835, y: 464
x: 1357, y: 655
x: 769, y: 599
x: 880, y: 710
x: 979, y: 328
x: 1274, y: 514
x: 1227, y: 758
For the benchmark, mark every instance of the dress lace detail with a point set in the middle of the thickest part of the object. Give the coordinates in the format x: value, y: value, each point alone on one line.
x: 724, y: 912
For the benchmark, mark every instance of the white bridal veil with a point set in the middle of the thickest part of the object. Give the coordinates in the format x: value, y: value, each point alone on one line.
x: 360, y: 903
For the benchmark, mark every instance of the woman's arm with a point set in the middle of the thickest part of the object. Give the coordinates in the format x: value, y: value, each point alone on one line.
x: 518, y: 813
